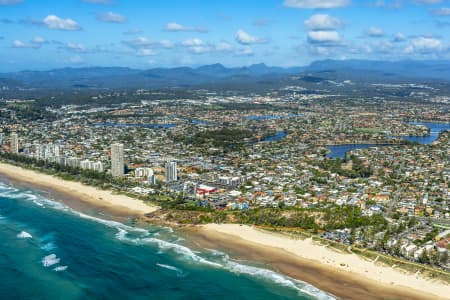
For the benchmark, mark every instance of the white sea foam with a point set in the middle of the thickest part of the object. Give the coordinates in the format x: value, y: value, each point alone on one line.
x: 183, y: 251
x: 43, y: 202
x: 24, y: 235
x: 50, y: 260
x: 48, y: 246
x: 277, y: 278
x: 172, y: 268
x: 60, y: 268
x: 121, y: 234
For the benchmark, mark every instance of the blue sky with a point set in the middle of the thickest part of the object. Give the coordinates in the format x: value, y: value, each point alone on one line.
x: 46, y: 34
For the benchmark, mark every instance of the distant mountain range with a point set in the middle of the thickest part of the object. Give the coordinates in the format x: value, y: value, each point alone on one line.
x: 119, y: 77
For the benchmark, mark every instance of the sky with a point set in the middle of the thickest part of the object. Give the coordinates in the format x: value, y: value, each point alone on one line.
x: 48, y: 34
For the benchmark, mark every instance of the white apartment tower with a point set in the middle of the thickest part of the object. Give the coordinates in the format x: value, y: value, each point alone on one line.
x: 117, y: 161
x: 171, y: 171
x: 14, y: 143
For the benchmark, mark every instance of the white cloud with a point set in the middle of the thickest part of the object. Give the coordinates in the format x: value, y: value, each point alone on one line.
x: 20, y: 44
x: 55, y: 22
x: 192, y: 42
x: 323, y: 22
x: 245, y: 38
x: 166, y: 44
x: 197, y: 46
x: 10, y: 2
x: 424, y: 45
x: 399, y: 37
x: 139, y: 42
x: 35, y: 43
x: 316, y: 3
x: 39, y: 40
x: 324, y: 37
x: 146, y: 52
x: 375, y: 32
x: 445, y: 11
x: 143, y: 42
x: 224, y: 47
x: 75, y: 47
x: 200, y: 49
x: 176, y: 27
x: 111, y: 17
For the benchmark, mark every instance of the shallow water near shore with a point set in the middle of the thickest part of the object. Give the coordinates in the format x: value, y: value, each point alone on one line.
x: 50, y: 251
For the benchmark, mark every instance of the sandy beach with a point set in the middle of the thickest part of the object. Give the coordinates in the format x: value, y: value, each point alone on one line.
x: 345, y: 275
x: 102, y: 199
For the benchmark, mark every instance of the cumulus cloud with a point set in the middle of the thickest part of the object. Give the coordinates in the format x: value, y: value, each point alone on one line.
x: 192, y: 42
x: 313, y: 4
x: 146, y: 52
x: 35, y: 43
x: 75, y: 47
x: 323, y: 22
x: 424, y: 45
x: 176, y: 27
x: 55, y: 22
x: 375, y: 32
x: 111, y: 17
x: 324, y: 37
x: 197, y: 46
x: 10, y: 2
x: 245, y: 38
x: 21, y: 44
x: 224, y: 47
x: 399, y: 37
x: 143, y: 42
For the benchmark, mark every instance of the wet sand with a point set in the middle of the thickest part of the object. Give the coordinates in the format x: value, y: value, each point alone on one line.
x: 337, y: 281
x: 102, y: 199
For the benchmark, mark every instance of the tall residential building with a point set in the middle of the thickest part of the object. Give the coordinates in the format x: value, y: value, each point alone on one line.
x: 14, y: 143
x: 117, y: 161
x: 171, y: 171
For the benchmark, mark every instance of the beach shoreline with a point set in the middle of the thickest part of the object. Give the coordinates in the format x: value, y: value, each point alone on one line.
x: 345, y: 275
x: 102, y: 199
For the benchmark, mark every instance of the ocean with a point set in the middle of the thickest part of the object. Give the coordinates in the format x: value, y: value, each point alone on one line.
x: 50, y: 251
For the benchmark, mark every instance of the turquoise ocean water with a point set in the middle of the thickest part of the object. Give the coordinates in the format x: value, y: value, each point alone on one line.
x: 49, y: 251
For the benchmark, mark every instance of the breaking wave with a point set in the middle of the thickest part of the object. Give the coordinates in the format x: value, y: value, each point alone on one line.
x: 24, y: 235
x: 140, y: 236
x: 172, y: 268
x: 50, y: 260
x: 60, y: 268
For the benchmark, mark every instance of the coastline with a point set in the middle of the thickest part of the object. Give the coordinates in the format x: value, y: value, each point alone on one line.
x: 101, y: 199
x: 356, y: 278
x: 344, y: 275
